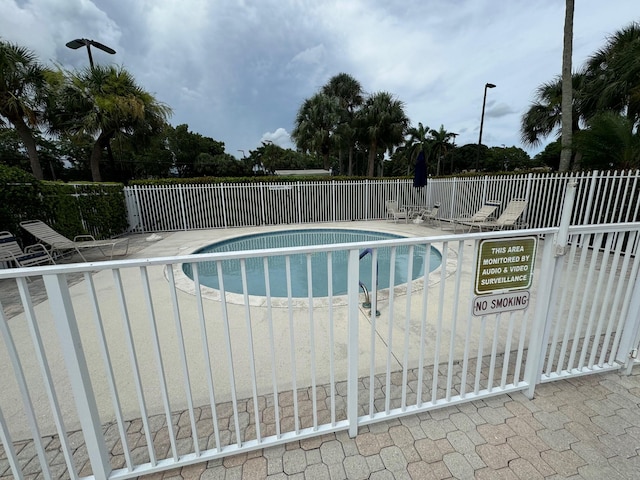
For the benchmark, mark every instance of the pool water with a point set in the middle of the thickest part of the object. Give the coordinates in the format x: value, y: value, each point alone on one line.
x: 232, y: 275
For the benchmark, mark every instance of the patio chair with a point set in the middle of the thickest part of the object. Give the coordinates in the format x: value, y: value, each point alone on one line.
x: 509, y: 218
x: 481, y: 216
x: 59, y: 243
x: 12, y: 253
x: 395, y: 212
x: 427, y: 215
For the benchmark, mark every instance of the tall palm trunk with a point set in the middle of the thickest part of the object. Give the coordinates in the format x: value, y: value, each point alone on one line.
x: 373, y: 152
x: 96, y: 155
x: 567, y: 90
x: 26, y: 135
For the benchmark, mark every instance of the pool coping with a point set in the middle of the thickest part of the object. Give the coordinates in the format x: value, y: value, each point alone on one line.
x: 187, y: 285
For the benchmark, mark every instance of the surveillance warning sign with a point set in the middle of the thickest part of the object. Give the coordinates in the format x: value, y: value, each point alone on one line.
x: 505, y: 265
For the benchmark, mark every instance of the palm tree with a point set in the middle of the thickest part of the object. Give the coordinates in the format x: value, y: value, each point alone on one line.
x: 567, y: 90
x: 610, y: 142
x: 544, y: 116
x: 316, y: 124
x: 382, y: 124
x: 104, y: 101
x: 613, y: 74
x: 440, y: 143
x: 419, y: 140
x: 22, y: 94
x: 348, y: 91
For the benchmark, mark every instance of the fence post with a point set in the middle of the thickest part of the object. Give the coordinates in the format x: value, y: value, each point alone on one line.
x: 527, y: 197
x: 536, y: 349
x: 136, y: 196
x: 333, y: 199
x: 631, y: 331
x: 453, y: 212
x: 592, y: 186
x: 182, y: 209
x: 366, y: 205
x: 71, y: 345
x: 565, y: 219
x: 353, y: 292
x: 225, y: 220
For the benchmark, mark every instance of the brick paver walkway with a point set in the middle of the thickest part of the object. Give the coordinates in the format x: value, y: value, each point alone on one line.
x: 585, y: 427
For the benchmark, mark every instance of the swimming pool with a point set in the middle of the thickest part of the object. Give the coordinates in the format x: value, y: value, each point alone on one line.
x: 319, y: 263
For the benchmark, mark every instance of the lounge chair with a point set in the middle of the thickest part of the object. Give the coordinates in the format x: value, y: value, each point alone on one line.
x: 12, y: 253
x: 427, y: 215
x: 59, y: 243
x: 395, y: 212
x: 509, y: 218
x: 481, y: 216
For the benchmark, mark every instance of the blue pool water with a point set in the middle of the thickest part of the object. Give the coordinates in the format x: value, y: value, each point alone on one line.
x: 298, y: 263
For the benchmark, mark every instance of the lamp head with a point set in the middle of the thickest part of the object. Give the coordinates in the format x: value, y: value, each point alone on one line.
x: 77, y: 43
x: 83, y: 42
x: 490, y: 85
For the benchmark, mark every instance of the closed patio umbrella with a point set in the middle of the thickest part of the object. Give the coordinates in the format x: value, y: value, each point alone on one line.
x: 420, y: 176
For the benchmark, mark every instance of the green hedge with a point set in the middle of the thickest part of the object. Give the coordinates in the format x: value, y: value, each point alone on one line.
x: 20, y: 198
x: 88, y: 208
x: 72, y: 209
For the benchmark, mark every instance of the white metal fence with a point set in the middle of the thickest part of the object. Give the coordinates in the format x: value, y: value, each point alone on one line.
x: 602, y: 197
x: 129, y: 373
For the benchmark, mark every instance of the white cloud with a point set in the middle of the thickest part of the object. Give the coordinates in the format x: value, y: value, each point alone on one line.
x: 280, y: 137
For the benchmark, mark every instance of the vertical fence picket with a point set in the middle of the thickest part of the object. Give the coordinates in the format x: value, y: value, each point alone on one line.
x: 39, y: 350
x: 27, y: 401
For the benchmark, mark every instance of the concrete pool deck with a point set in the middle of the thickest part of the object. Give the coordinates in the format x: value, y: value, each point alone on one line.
x: 574, y: 428
x: 171, y: 244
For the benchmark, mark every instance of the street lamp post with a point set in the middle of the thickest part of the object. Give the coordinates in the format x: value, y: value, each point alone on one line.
x: 484, y: 101
x: 83, y: 42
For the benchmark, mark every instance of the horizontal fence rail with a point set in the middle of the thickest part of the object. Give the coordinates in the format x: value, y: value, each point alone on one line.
x: 132, y: 367
x: 602, y: 197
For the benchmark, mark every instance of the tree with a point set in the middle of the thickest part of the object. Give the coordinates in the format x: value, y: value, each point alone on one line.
x: 503, y: 159
x: 610, y: 142
x: 418, y: 140
x: 544, y: 116
x: 465, y: 156
x: 23, y: 89
x: 382, y: 124
x: 550, y: 156
x: 104, y: 101
x: 12, y: 152
x: 315, y: 125
x: 613, y: 75
x: 440, y: 144
x: 567, y: 89
x: 348, y: 91
x: 186, y: 146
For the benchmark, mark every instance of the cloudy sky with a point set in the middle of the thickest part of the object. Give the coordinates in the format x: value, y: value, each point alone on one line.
x: 238, y: 70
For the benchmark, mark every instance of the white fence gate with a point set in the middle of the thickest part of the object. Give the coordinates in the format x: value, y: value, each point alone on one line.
x: 130, y: 368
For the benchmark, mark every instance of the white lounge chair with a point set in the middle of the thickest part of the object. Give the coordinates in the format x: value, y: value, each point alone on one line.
x: 509, y: 218
x: 395, y: 212
x: 11, y: 252
x: 59, y: 243
x: 481, y: 216
x: 428, y: 215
